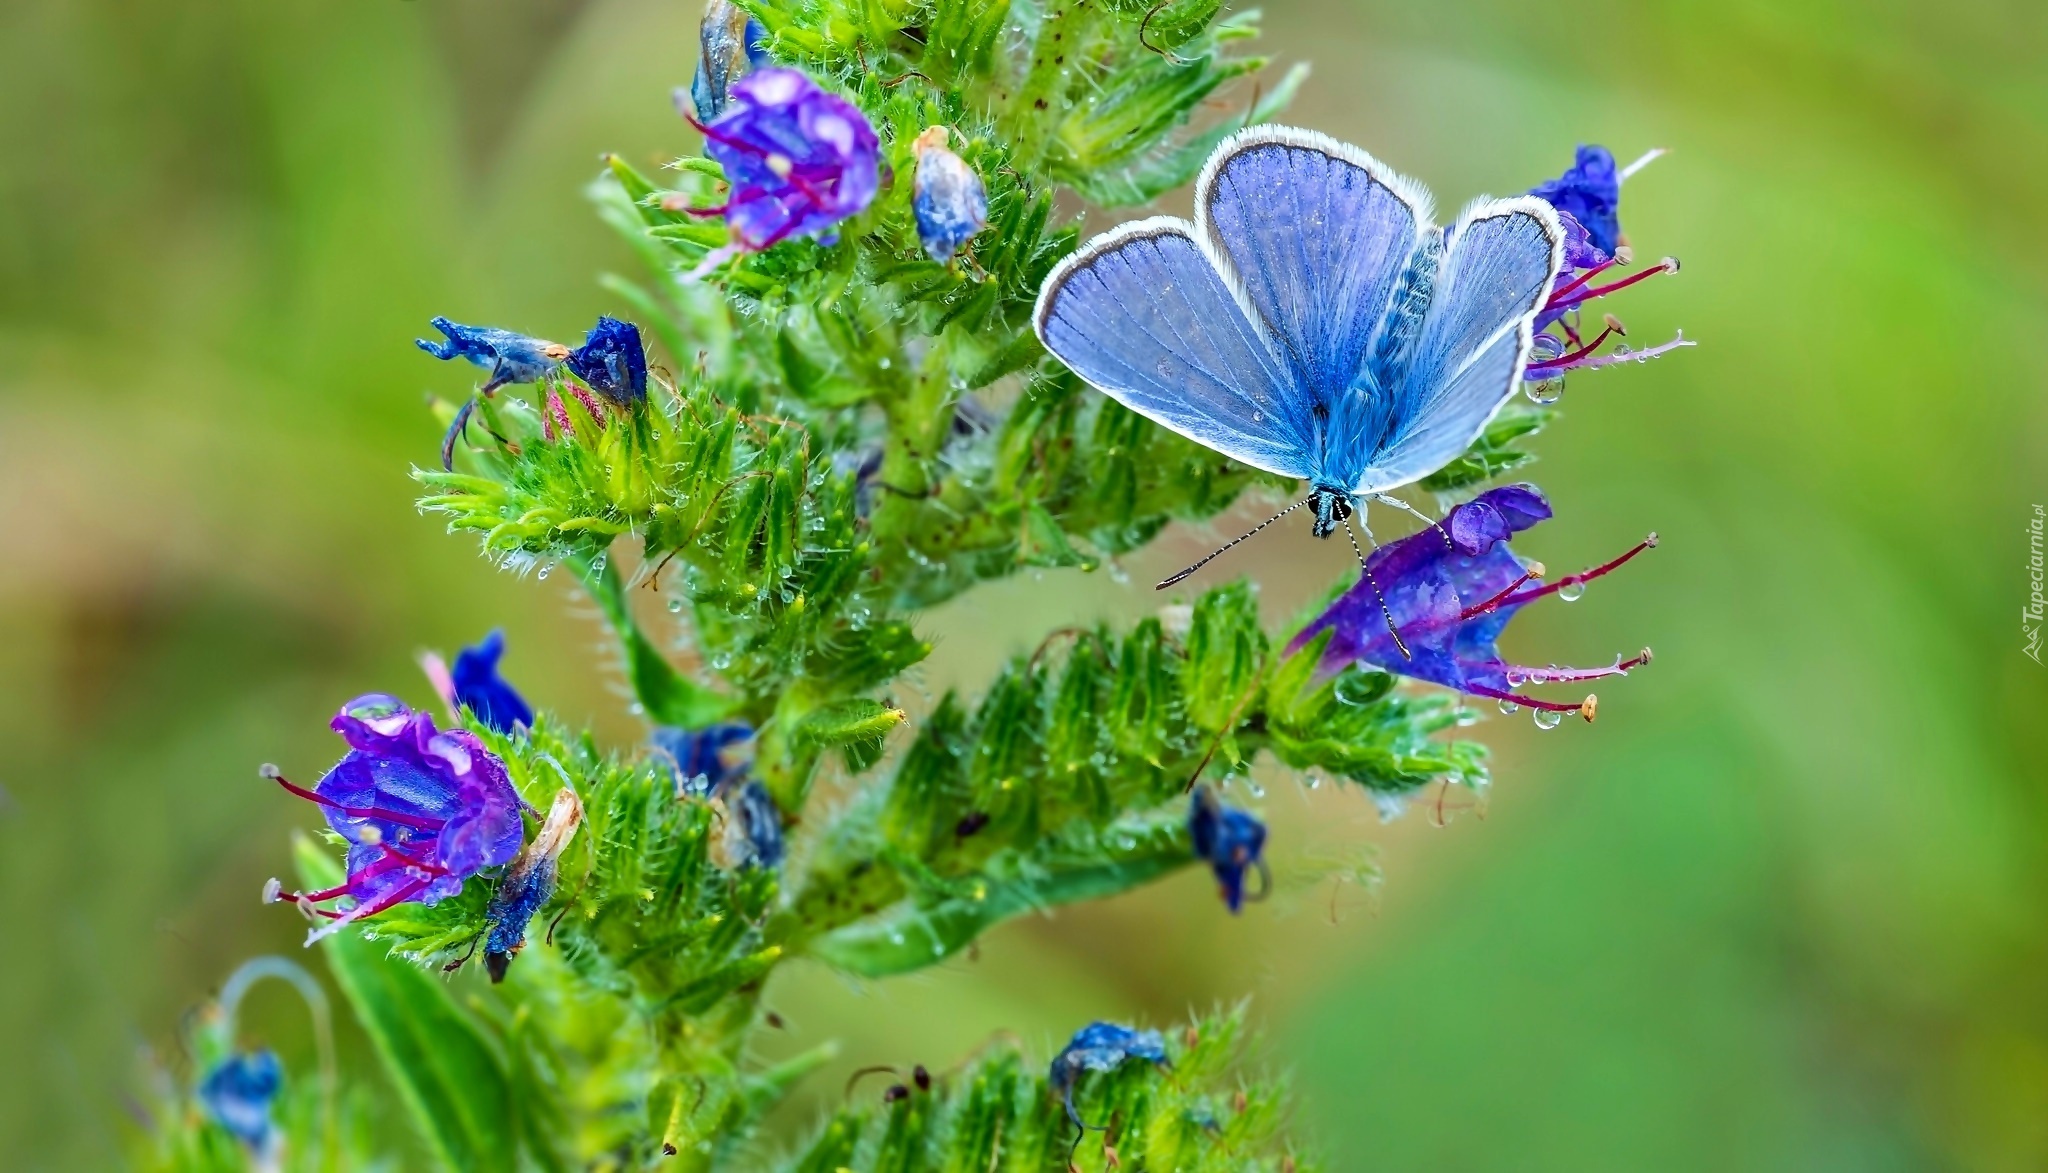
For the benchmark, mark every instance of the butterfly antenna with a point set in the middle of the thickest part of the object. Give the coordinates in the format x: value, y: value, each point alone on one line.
x: 1412, y: 511
x: 1212, y: 557
x: 1378, y: 596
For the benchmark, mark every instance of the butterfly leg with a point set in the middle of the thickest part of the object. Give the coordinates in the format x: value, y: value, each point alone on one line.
x: 1378, y: 595
x: 1411, y: 510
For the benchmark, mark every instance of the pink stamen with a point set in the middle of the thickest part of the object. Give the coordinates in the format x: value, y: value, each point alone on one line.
x: 400, y: 858
x: 396, y: 896
x: 1534, y: 572
x: 1667, y: 265
x: 1566, y: 290
x: 1527, y: 701
x: 726, y: 139
x: 1588, y: 576
x: 363, y: 812
x: 1565, y: 360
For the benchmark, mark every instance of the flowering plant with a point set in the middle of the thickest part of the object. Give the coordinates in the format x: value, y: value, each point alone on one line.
x: 839, y: 415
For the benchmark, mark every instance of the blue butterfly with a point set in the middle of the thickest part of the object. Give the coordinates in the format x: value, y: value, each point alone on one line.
x: 1311, y: 321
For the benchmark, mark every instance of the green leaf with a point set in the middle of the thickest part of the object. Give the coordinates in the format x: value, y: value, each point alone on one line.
x: 665, y: 695
x: 941, y: 921
x: 433, y: 1053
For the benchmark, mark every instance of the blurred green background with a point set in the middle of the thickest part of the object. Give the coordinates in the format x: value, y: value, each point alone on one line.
x: 1783, y: 908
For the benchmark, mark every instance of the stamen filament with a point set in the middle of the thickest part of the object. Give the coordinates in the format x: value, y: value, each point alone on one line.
x: 1566, y: 290
x: 1527, y: 701
x: 1568, y: 675
x: 1534, y: 572
x: 1667, y: 265
x: 1588, y: 576
x: 363, y: 812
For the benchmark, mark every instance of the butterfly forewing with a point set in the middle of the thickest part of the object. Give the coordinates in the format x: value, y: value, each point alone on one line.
x: 1317, y: 235
x: 1143, y: 313
x: 1498, y: 266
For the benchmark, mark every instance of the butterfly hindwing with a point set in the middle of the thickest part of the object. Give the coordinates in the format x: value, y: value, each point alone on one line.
x: 1498, y: 266
x: 1144, y: 314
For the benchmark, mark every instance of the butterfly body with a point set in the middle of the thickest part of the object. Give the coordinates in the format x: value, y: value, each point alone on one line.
x: 1310, y: 321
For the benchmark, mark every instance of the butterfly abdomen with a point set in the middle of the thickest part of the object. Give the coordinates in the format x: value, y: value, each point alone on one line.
x: 1394, y: 347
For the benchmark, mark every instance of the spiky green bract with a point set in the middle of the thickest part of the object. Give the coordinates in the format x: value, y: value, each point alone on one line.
x: 1069, y: 780
x: 1200, y: 1113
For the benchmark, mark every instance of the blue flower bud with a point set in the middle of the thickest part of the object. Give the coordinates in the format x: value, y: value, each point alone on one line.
x: 529, y: 883
x: 950, y: 200
x: 238, y: 1094
x: 510, y: 357
x: 1230, y: 841
x: 1100, y: 1046
x: 730, y: 43
x: 613, y: 361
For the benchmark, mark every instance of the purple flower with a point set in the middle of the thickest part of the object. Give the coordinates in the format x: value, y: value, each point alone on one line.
x: 511, y: 358
x: 1231, y: 842
x: 1450, y: 600
x: 238, y: 1094
x: 529, y: 883
x: 703, y: 760
x: 612, y: 361
x: 950, y: 201
x: 474, y: 684
x: 422, y: 810
x: 1100, y: 1046
x: 1588, y: 201
x: 730, y: 43
x: 799, y: 160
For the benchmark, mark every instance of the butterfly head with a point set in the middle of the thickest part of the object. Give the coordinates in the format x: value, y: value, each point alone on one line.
x: 1332, y: 507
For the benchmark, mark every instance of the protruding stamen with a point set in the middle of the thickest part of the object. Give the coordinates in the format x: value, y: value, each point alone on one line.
x: 1620, y: 667
x: 1590, y: 708
x: 354, y: 812
x: 1650, y: 156
x: 1553, y: 367
x: 1566, y: 290
x: 1587, y: 576
x: 1519, y: 699
x: 1534, y: 572
x: 1565, y: 361
x: 1565, y: 297
x: 273, y: 890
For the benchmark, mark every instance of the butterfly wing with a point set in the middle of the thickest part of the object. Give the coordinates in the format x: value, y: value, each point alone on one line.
x: 1143, y: 313
x: 1318, y: 234
x: 1498, y: 266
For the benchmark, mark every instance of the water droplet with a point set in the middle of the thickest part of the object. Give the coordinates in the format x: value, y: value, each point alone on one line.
x: 675, y: 606
x: 1254, y: 789
x: 1546, y: 718
x: 1571, y: 591
x: 1464, y: 717
x: 1546, y: 392
x: 543, y: 572
x: 1510, y: 708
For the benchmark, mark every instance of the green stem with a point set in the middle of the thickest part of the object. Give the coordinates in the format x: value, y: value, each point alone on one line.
x: 666, y: 696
